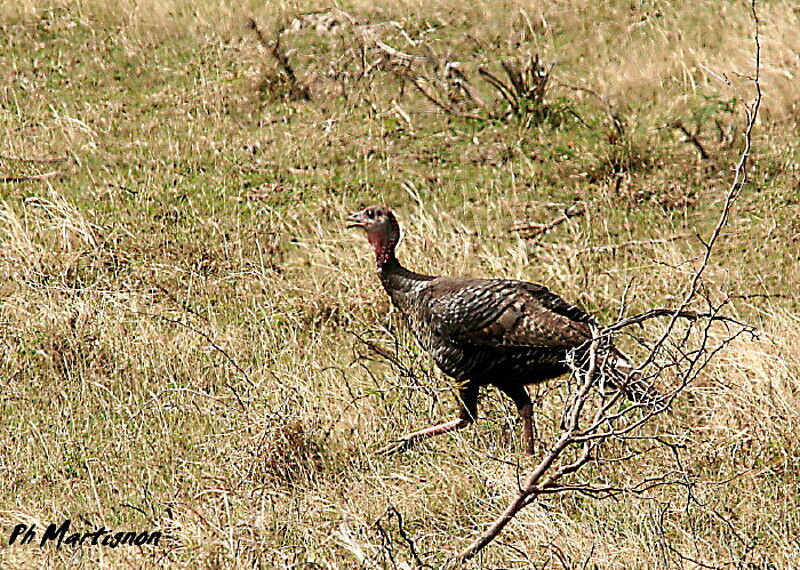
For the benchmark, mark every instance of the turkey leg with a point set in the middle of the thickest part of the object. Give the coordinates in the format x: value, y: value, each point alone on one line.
x: 468, y: 409
x: 519, y: 394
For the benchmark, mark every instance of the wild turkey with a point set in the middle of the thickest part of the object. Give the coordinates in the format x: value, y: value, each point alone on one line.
x: 480, y: 332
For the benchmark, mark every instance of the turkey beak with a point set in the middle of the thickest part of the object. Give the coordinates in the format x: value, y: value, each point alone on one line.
x: 356, y: 220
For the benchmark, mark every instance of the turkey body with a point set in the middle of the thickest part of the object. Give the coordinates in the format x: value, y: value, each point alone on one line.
x: 502, y: 332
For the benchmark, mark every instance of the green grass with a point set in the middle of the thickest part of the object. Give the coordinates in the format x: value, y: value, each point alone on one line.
x: 181, y: 300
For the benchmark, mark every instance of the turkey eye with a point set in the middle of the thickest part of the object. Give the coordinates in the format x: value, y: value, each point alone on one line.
x: 370, y: 214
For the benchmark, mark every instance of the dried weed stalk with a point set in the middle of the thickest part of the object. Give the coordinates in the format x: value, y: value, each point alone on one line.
x: 286, y: 77
x: 520, y: 93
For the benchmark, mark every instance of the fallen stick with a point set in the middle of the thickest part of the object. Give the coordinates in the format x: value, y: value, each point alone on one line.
x: 689, y: 137
x: 28, y: 178
x: 632, y: 243
x: 611, y: 246
x: 33, y: 158
x: 538, y: 229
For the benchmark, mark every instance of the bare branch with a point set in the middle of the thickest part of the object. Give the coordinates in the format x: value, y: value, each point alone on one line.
x: 690, y: 138
x: 674, y: 313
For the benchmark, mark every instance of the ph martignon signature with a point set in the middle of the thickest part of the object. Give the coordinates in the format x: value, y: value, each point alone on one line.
x: 61, y: 535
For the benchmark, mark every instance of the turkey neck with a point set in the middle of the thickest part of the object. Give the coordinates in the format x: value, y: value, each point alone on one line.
x: 399, y: 281
x: 396, y: 279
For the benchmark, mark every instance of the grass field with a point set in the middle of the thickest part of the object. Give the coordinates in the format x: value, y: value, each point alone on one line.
x: 192, y: 342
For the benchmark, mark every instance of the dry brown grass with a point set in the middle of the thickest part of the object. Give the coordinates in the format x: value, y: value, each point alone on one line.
x: 181, y: 304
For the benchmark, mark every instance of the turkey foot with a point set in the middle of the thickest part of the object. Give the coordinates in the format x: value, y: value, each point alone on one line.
x: 408, y: 441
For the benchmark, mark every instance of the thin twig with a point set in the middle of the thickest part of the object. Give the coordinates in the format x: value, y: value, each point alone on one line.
x: 538, y: 229
x: 676, y: 313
